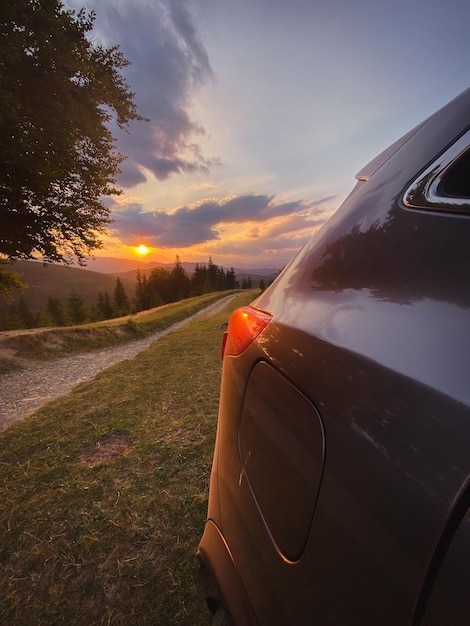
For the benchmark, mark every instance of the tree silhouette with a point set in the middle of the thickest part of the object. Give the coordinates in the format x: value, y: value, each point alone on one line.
x: 178, y: 283
x: 120, y: 299
x: 76, y: 312
x: 55, y: 311
x: 59, y: 90
x: 104, y: 307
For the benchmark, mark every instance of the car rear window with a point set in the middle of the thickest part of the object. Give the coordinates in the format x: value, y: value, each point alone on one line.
x: 445, y: 184
x: 456, y: 182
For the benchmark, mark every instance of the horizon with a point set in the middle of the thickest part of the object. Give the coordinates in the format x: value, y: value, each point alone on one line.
x: 103, y: 261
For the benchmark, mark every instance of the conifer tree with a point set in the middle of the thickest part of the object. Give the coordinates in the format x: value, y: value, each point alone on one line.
x: 76, y: 311
x: 179, y: 283
x: 120, y: 299
x: 55, y: 311
x: 103, y: 306
x: 141, y: 303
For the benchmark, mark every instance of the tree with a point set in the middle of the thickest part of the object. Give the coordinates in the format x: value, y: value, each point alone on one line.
x: 179, y: 283
x: 20, y: 316
x: 59, y: 91
x: 198, y: 280
x: 76, y: 311
x: 55, y: 311
x: 232, y: 282
x: 10, y: 282
x: 103, y: 308
x: 141, y: 293
x: 158, y: 289
x: 212, y: 271
x: 120, y: 299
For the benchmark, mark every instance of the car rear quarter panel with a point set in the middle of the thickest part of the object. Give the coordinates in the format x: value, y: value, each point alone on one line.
x: 374, y: 315
x: 370, y: 323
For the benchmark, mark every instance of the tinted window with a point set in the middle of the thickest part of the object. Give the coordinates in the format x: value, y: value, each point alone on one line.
x: 456, y: 183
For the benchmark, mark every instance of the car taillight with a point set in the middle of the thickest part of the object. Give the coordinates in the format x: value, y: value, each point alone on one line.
x: 244, y: 326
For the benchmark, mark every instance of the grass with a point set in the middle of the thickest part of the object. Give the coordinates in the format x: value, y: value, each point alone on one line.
x: 44, y: 344
x: 103, y: 494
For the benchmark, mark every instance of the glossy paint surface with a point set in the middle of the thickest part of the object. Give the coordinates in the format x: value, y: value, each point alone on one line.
x: 282, y: 454
x: 371, y: 325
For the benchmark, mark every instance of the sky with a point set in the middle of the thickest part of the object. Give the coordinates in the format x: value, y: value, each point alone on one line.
x: 262, y: 111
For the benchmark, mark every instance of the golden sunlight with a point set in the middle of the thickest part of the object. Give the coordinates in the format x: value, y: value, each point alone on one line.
x: 143, y: 249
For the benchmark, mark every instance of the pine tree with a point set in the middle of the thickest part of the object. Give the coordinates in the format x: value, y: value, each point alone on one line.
x: 76, y: 312
x: 212, y: 271
x: 158, y: 287
x: 232, y: 282
x: 14, y: 320
x: 198, y: 280
x: 120, y: 299
x: 27, y: 318
x: 103, y: 306
x: 141, y: 303
x: 55, y: 312
x: 179, y: 283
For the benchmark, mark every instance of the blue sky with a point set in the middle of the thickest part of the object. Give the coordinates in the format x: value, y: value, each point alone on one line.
x: 262, y: 111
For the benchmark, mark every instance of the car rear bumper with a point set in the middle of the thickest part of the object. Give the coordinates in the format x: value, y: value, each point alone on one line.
x: 220, y: 578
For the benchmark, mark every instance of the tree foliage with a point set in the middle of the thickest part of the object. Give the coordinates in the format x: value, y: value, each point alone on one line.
x: 120, y: 299
x: 75, y: 307
x: 10, y: 282
x: 59, y: 91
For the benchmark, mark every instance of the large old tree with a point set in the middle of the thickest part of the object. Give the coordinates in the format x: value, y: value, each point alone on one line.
x: 58, y: 159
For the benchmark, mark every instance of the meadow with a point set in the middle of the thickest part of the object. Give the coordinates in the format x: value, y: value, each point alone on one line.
x: 103, y: 495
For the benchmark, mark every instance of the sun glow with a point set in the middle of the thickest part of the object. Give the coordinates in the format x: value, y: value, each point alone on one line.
x: 143, y: 249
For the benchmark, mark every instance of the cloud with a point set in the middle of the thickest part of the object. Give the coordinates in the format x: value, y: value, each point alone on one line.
x: 159, y: 229
x: 168, y: 61
x: 190, y: 225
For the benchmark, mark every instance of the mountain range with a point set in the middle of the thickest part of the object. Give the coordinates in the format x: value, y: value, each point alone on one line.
x: 112, y: 265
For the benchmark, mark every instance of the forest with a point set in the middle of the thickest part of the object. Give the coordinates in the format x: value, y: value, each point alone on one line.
x: 159, y: 286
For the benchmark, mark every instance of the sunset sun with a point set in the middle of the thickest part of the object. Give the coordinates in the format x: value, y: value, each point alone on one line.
x: 142, y: 249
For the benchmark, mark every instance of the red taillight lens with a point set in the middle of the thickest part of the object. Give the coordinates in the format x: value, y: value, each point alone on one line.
x: 244, y: 326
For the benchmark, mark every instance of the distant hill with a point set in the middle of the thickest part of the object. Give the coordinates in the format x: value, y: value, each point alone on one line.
x: 126, y: 269
x: 60, y: 281
x: 112, y: 265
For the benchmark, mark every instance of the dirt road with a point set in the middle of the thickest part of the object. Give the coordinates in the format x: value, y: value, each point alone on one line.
x: 23, y: 392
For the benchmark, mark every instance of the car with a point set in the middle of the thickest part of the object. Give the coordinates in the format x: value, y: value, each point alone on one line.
x: 340, y: 491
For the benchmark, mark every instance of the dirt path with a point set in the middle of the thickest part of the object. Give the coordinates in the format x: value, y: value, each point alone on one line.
x: 22, y: 393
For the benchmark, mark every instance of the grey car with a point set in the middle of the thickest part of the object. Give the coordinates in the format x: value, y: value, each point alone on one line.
x: 340, y: 488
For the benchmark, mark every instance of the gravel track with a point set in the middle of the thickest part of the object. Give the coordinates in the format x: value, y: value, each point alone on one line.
x: 23, y: 392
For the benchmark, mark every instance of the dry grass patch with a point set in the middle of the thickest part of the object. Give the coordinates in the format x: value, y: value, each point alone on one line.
x: 107, y: 448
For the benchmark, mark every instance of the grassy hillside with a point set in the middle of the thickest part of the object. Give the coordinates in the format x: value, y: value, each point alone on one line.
x: 59, y: 281
x: 103, y: 493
